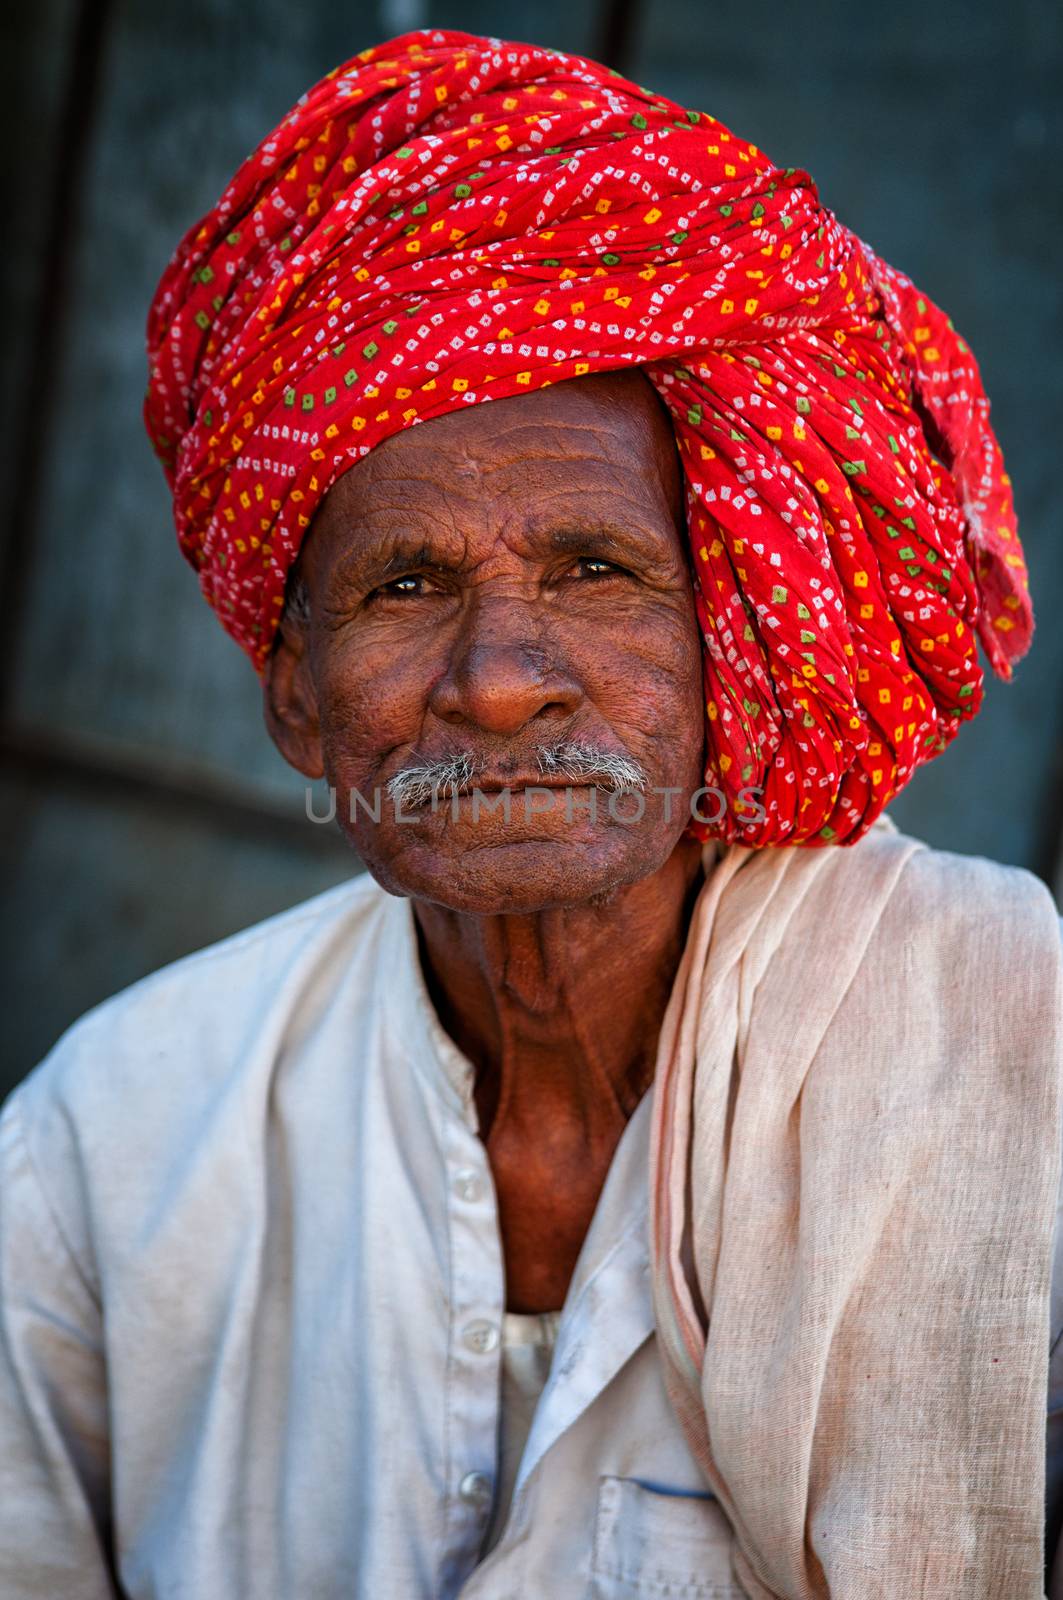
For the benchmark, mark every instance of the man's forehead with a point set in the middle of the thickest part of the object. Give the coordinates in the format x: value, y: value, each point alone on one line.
x: 470, y: 523
x: 447, y: 491
x: 603, y: 433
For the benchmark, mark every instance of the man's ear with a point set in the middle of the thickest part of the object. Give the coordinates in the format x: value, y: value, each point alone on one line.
x: 289, y: 701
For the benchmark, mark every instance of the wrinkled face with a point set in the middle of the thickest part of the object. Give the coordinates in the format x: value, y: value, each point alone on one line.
x: 504, y: 590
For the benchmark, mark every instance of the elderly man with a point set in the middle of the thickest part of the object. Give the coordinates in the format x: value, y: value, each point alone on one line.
x: 612, y: 1193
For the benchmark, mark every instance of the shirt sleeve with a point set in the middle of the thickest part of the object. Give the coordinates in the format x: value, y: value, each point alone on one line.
x: 54, y: 1451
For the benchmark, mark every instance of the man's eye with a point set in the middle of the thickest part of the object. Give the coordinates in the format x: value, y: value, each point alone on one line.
x: 594, y: 567
x: 411, y: 584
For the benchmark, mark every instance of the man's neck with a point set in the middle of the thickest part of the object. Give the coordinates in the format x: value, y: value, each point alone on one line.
x: 559, y: 1012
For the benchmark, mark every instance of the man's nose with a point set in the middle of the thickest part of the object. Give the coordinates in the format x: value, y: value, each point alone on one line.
x: 503, y: 674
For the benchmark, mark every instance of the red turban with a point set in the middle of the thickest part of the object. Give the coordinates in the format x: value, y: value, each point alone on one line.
x: 449, y: 219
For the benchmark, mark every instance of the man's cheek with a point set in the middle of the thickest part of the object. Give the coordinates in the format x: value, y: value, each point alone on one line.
x: 648, y: 704
x: 362, y: 721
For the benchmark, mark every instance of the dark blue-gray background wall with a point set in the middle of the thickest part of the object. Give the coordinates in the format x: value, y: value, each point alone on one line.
x: 144, y: 811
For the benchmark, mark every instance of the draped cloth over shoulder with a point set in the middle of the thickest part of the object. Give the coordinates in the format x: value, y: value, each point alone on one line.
x: 854, y: 1171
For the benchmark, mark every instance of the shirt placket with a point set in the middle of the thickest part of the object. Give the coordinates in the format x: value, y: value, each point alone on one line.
x: 477, y: 1306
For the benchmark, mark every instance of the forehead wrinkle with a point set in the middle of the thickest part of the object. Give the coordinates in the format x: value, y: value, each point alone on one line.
x: 527, y: 484
x: 508, y: 430
x: 405, y: 538
x: 509, y: 423
x: 571, y: 458
x: 623, y: 493
x: 539, y: 452
x: 485, y: 441
x: 376, y: 509
x: 471, y: 466
x: 367, y: 492
x: 643, y: 499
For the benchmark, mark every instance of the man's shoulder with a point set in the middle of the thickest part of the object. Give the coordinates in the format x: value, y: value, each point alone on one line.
x: 913, y: 921
x: 172, y: 1040
x: 950, y: 897
x: 961, y: 944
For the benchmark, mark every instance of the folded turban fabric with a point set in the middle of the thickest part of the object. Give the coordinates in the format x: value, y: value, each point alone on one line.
x: 447, y: 219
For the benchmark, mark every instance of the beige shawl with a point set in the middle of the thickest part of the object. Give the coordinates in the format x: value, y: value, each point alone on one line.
x: 854, y: 1173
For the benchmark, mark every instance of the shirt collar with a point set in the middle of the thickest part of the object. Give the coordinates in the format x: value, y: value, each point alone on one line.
x: 410, y: 1016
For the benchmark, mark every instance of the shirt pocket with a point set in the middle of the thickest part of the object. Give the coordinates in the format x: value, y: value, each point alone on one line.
x: 648, y: 1543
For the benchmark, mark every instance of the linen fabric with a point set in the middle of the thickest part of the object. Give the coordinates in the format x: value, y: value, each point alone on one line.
x: 446, y: 220
x: 855, y: 1166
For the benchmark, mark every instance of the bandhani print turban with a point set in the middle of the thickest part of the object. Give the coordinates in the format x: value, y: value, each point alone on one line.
x: 449, y: 219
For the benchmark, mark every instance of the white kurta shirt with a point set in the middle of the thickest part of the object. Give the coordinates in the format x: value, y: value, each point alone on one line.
x: 252, y: 1302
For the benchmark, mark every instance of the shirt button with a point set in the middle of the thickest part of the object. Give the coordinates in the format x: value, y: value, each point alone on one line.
x: 480, y: 1336
x: 475, y: 1488
x: 467, y: 1185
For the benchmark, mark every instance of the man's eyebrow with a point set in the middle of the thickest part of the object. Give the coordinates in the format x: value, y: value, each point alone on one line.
x: 410, y: 554
x: 608, y: 540
x: 378, y: 564
x: 570, y: 538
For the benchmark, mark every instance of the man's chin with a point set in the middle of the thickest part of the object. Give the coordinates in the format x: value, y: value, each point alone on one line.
x: 517, y: 876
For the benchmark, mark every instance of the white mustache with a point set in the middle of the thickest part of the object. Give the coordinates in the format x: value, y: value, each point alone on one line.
x: 566, y: 759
